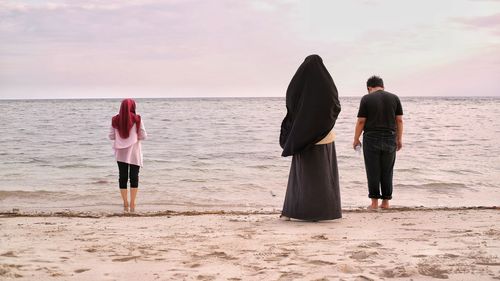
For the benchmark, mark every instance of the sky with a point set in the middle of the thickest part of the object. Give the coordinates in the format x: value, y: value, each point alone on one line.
x: 233, y: 48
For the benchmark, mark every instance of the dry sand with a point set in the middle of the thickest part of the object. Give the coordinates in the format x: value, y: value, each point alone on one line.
x: 455, y: 244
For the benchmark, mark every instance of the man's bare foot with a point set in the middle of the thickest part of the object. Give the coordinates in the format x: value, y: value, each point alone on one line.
x: 125, y: 206
x: 132, y: 208
x: 385, y: 204
x: 374, y: 204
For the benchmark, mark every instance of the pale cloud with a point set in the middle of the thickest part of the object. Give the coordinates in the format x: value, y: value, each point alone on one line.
x: 473, y: 76
x: 229, y: 48
x: 183, y: 48
x: 491, y: 22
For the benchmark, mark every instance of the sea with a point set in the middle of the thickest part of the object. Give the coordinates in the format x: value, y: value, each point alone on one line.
x: 223, y: 154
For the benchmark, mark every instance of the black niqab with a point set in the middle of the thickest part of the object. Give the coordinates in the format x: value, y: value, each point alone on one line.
x: 312, y: 107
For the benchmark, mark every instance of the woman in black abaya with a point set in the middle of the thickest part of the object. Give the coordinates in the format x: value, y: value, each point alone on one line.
x: 307, y: 133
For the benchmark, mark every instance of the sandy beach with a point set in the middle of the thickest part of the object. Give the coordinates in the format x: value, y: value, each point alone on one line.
x: 405, y: 244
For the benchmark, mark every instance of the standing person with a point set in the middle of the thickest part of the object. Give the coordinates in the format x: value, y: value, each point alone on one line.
x: 127, y: 131
x: 380, y: 116
x: 306, y: 133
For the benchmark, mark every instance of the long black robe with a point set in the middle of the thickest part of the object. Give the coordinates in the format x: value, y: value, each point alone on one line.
x: 312, y: 109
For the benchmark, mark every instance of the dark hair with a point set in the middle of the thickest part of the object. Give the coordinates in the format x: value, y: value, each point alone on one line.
x: 375, y: 81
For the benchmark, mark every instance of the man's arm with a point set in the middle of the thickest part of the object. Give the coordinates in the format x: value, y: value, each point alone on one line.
x: 357, y: 132
x: 399, y: 132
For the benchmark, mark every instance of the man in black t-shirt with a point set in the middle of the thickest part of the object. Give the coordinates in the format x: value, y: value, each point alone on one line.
x: 380, y: 116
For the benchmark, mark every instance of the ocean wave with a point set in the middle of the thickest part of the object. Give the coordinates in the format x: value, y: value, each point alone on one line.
x: 102, y: 182
x: 406, y: 169
x: 193, y: 180
x: 462, y: 172
x: 78, y: 165
x: 263, y: 167
x: 435, y: 185
x: 37, y: 161
x: 29, y: 194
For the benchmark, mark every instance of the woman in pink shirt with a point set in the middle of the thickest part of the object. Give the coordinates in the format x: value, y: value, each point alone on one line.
x: 127, y: 131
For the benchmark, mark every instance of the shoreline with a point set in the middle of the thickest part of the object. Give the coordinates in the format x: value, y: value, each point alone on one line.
x: 417, y: 244
x: 89, y: 214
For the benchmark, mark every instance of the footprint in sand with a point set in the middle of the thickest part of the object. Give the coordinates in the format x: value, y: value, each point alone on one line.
x: 363, y: 278
x: 398, y: 272
x: 205, y: 277
x: 493, y: 233
x: 361, y: 255
x: 320, y: 262
x: 274, y: 254
x: 220, y: 255
x: 10, y: 270
x: 91, y: 250
x: 81, y: 270
x: 9, y: 254
x: 124, y: 259
x: 419, y: 256
x: 53, y: 271
x: 347, y: 268
x: 370, y: 245
x: 432, y: 270
x: 290, y: 276
x: 319, y: 237
x: 245, y: 235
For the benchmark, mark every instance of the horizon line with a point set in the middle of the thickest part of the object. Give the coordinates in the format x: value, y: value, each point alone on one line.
x: 215, y: 97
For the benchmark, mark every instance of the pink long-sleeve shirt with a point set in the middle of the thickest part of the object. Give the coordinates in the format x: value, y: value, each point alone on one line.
x: 128, y: 150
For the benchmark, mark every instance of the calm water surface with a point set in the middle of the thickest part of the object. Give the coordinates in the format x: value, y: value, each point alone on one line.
x: 224, y: 154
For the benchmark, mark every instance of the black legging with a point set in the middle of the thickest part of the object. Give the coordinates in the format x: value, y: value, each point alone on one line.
x: 124, y: 174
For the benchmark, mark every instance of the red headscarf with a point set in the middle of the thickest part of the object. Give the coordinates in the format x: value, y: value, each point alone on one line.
x: 124, y: 121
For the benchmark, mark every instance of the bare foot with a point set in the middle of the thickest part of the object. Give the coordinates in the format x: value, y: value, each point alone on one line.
x: 374, y: 204
x: 284, y: 218
x: 132, y: 208
x: 385, y: 204
x: 125, y: 206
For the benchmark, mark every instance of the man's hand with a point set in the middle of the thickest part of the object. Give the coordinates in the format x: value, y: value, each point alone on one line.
x: 360, y: 124
x: 399, y: 144
x: 399, y: 132
x: 355, y: 143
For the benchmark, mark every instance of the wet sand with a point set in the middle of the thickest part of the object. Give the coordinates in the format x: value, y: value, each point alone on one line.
x: 406, y: 244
